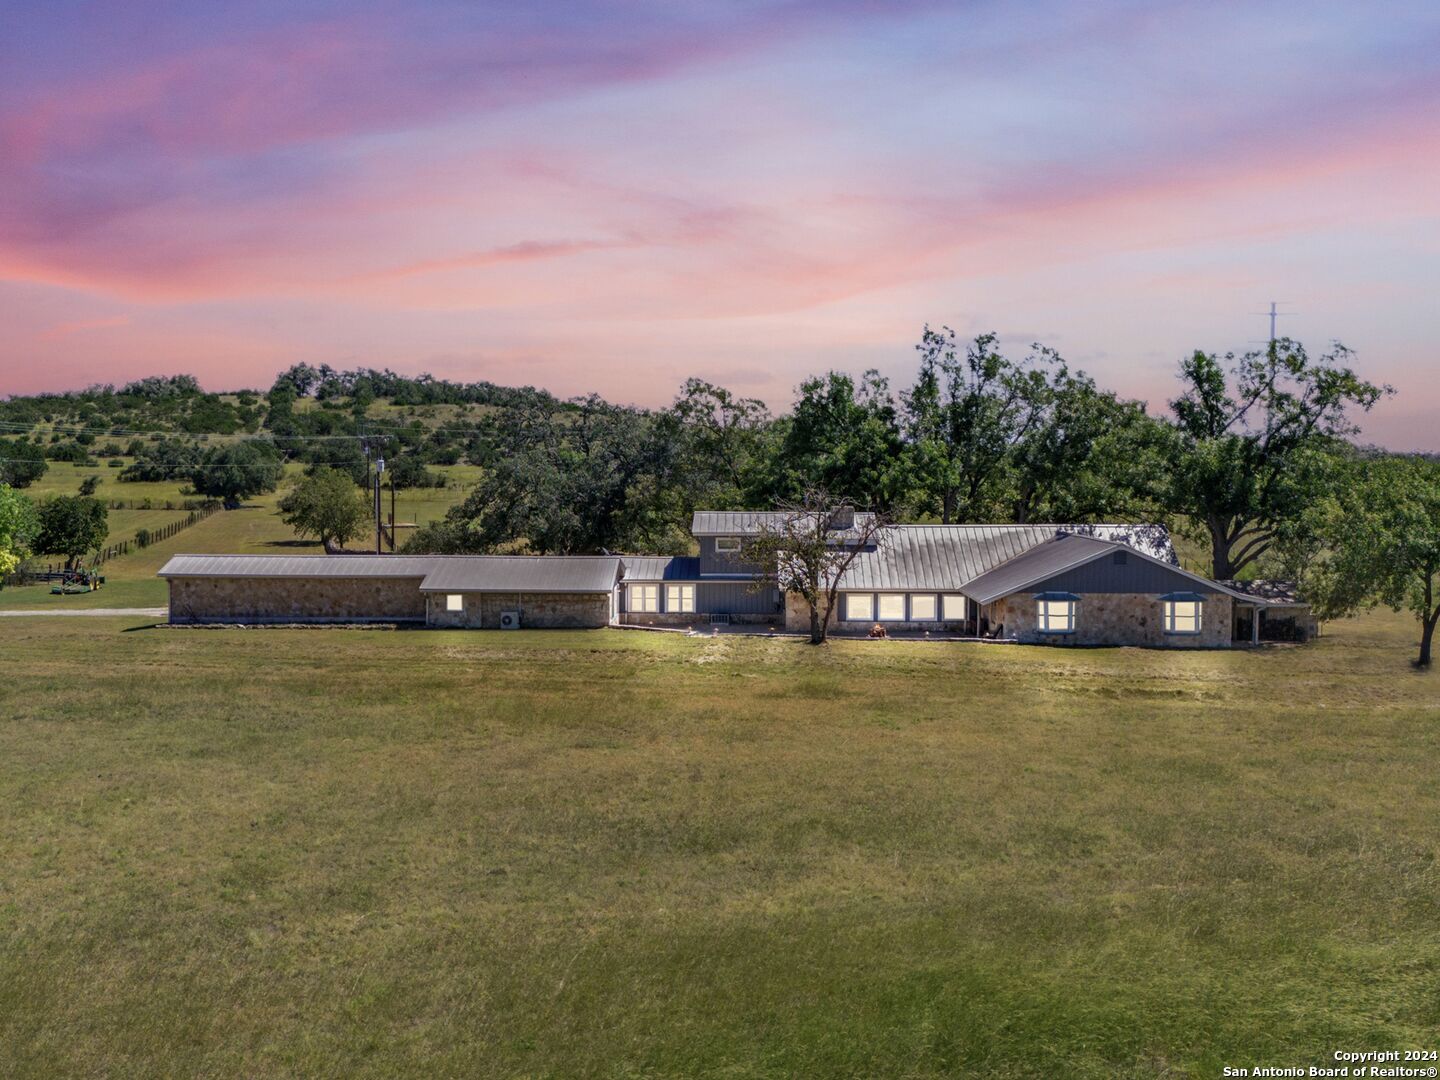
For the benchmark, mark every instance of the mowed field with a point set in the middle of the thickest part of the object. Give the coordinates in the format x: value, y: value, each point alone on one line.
x: 255, y: 528
x: 622, y: 854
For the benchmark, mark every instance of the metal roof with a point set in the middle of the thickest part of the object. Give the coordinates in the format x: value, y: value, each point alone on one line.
x: 946, y: 557
x: 1055, y: 556
x: 749, y: 522
x: 1064, y: 552
x: 1277, y: 592
x: 523, y: 573
x: 435, y: 573
x: 661, y: 568
x: 299, y: 566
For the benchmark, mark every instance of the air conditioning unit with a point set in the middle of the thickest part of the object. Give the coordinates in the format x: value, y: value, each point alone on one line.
x: 509, y: 620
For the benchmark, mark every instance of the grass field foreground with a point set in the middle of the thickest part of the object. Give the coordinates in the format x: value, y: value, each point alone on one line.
x: 424, y: 853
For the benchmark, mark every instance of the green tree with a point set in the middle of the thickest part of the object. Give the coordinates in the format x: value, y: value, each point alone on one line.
x: 236, y: 472
x: 965, y: 415
x: 325, y: 504
x: 21, y: 462
x: 844, y: 438
x: 1088, y: 455
x: 1248, y: 443
x: 73, y: 526
x: 19, y: 525
x: 168, y: 459
x: 586, y: 480
x: 1379, y: 543
x: 809, y: 549
x: 723, y: 444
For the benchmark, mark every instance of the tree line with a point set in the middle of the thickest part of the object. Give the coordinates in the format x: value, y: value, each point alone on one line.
x: 1253, y: 456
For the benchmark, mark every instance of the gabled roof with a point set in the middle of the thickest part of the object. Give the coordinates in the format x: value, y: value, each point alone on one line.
x: 1054, y: 556
x: 660, y: 567
x: 298, y: 566
x: 1278, y: 592
x: 434, y: 573
x: 939, y: 557
x: 1064, y: 552
x: 523, y: 573
x: 751, y: 522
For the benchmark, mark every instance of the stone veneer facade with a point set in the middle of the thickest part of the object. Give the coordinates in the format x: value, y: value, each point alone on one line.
x: 797, y: 620
x: 295, y: 600
x: 690, y: 618
x: 1115, y: 619
x: 349, y: 600
x: 546, y: 611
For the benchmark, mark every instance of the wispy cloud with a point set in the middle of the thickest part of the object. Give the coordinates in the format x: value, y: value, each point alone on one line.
x: 798, y: 180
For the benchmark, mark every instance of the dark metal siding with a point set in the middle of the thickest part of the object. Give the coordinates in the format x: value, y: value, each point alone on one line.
x: 719, y: 598
x: 1104, y: 575
x: 716, y: 562
x: 735, y: 598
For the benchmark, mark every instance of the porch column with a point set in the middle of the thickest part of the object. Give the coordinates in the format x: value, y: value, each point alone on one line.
x: 1255, y: 625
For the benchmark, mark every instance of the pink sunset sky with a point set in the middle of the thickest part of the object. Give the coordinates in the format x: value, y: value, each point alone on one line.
x: 613, y: 197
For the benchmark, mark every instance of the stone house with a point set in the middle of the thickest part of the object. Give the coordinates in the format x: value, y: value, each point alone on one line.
x: 1052, y: 584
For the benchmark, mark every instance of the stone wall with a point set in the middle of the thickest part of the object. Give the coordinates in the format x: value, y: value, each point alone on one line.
x: 691, y: 618
x: 1115, y: 619
x: 546, y: 611
x: 260, y: 600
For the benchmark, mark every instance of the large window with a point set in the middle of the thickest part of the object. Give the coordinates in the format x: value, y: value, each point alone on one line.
x: 922, y: 607
x: 1182, y: 616
x: 1055, y: 615
x: 679, y: 597
x: 892, y: 607
x: 727, y: 544
x: 454, y: 602
x: 953, y: 606
x: 859, y: 607
x: 644, y: 597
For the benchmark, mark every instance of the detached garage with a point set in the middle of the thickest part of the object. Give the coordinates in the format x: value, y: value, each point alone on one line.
x: 481, y: 591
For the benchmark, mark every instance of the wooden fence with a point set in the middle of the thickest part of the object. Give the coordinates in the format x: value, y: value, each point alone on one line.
x: 146, y: 537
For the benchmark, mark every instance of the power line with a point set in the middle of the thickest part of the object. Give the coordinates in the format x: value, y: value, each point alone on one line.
x: 192, y: 468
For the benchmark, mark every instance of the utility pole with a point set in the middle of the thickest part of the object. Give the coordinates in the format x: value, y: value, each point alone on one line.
x: 379, y: 523
x: 1274, y: 313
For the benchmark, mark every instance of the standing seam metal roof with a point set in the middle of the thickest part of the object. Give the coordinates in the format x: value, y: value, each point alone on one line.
x: 453, y: 573
x: 940, y: 557
x: 661, y: 567
x: 1055, y: 556
x: 750, y: 522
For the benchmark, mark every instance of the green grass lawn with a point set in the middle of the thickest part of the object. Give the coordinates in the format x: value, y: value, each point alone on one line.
x: 254, y: 529
x: 423, y: 853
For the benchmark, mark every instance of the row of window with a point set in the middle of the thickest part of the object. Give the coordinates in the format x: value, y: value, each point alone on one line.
x: 679, y: 598
x: 891, y: 607
x: 1057, y: 615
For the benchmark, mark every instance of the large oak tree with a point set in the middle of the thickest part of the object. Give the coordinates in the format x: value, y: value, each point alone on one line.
x: 1247, y: 452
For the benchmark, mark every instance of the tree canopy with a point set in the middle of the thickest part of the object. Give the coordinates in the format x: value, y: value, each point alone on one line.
x: 21, y: 462
x: 1379, y: 543
x: 1247, y: 447
x: 19, y: 525
x: 73, y: 526
x: 237, y: 471
x: 326, y: 505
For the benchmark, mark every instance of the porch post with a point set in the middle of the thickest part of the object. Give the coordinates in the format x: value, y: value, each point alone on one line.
x: 1255, y: 625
